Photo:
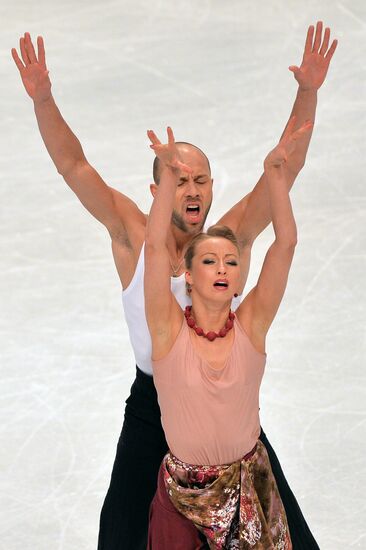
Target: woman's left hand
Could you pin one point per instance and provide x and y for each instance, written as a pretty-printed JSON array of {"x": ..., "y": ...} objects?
[{"x": 287, "y": 145}]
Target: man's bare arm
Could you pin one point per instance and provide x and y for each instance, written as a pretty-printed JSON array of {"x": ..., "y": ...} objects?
[
  {"x": 107, "y": 205},
  {"x": 252, "y": 214}
]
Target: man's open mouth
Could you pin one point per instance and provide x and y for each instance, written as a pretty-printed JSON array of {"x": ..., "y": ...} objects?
[
  {"x": 193, "y": 208},
  {"x": 193, "y": 211}
]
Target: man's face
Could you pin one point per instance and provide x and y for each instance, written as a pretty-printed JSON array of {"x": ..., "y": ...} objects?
[{"x": 194, "y": 192}]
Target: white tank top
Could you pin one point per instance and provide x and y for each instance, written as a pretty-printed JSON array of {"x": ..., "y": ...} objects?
[{"x": 134, "y": 308}]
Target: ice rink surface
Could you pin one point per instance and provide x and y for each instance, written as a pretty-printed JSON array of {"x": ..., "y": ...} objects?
[{"x": 217, "y": 72}]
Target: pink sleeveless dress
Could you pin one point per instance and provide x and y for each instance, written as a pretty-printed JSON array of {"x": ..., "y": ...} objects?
[
  {"x": 217, "y": 474},
  {"x": 210, "y": 416}
]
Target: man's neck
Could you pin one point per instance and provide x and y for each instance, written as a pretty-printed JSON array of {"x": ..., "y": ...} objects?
[{"x": 177, "y": 242}]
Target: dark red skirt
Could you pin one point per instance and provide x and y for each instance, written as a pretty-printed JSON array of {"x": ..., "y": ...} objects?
[{"x": 168, "y": 528}]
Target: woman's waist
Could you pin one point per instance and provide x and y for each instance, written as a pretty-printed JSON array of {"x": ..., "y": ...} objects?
[
  {"x": 199, "y": 476},
  {"x": 212, "y": 444}
]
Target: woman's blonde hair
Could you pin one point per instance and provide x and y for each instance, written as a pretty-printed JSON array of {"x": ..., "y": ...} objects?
[{"x": 213, "y": 231}]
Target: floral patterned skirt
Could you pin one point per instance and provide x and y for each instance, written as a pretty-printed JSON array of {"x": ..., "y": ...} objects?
[{"x": 235, "y": 506}]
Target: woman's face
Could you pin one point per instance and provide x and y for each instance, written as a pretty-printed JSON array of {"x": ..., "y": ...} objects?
[{"x": 215, "y": 271}]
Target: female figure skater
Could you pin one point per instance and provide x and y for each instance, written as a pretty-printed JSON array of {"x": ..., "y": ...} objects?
[{"x": 208, "y": 365}]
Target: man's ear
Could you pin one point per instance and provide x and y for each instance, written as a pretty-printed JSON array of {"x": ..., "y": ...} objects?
[
  {"x": 153, "y": 188},
  {"x": 188, "y": 277}
]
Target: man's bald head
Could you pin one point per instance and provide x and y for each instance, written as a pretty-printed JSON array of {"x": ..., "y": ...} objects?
[{"x": 183, "y": 147}]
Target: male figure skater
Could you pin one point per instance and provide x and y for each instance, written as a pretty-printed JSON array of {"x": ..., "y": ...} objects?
[{"x": 142, "y": 444}]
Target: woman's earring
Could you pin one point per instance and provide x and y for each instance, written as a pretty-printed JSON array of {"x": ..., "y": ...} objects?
[{"x": 236, "y": 295}]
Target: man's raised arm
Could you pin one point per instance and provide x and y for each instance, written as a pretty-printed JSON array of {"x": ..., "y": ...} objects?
[
  {"x": 104, "y": 203},
  {"x": 251, "y": 215}
]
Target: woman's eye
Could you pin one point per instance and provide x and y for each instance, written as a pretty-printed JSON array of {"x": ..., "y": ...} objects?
[
  {"x": 207, "y": 261},
  {"x": 232, "y": 262}
]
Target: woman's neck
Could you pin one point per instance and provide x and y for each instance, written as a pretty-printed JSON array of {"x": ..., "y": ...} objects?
[{"x": 210, "y": 316}]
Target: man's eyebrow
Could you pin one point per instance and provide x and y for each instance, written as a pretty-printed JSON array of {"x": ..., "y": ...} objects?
[{"x": 184, "y": 178}]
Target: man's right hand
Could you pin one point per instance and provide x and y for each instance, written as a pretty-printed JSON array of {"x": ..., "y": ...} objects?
[
  {"x": 33, "y": 71},
  {"x": 119, "y": 214}
]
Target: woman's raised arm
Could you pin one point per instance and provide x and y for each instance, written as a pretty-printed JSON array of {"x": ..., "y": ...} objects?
[
  {"x": 260, "y": 306},
  {"x": 160, "y": 304}
]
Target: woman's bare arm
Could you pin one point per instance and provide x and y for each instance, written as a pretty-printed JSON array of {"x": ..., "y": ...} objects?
[
  {"x": 260, "y": 306},
  {"x": 162, "y": 310}
]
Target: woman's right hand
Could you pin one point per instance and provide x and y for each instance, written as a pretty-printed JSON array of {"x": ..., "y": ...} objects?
[
  {"x": 168, "y": 153},
  {"x": 33, "y": 70}
]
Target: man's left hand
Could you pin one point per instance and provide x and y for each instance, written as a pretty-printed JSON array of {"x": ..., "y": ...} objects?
[{"x": 317, "y": 57}]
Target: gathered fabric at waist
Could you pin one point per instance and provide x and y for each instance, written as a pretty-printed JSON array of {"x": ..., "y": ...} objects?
[{"x": 234, "y": 505}]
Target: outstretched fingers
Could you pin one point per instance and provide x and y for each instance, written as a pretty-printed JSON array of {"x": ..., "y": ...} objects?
[
  {"x": 289, "y": 129},
  {"x": 309, "y": 39},
  {"x": 184, "y": 167},
  {"x": 325, "y": 44},
  {"x": 171, "y": 139},
  {"x": 153, "y": 138},
  {"x": 320, "y": 46},
  {"x": 23, "y": 52},
  {"x": 168, "y": 153},
  {"x": 290, "y": 136},
  {"x": 306, "y": 127},
  {"x": 41, "y": 52},
  {"x": 156, "y": 141},
  {"x": 17, "y": 60},
  {"x": 27, "y": 52},
  {"x": 287, "y": 144},
  {"x": 30, "y": 48},
  {"x": 318, "y": 36},
  {"x": 331, "y": 51}
]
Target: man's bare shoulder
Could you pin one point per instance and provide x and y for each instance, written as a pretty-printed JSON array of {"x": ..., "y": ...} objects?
[
  {"x": 128, "y": 210},
  {"x": 127, "y": 241},
  {"x": 233, "y": 218}
]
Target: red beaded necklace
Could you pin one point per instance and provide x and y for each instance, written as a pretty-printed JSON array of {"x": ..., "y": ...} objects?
[{"x": 211, "y": 335}]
